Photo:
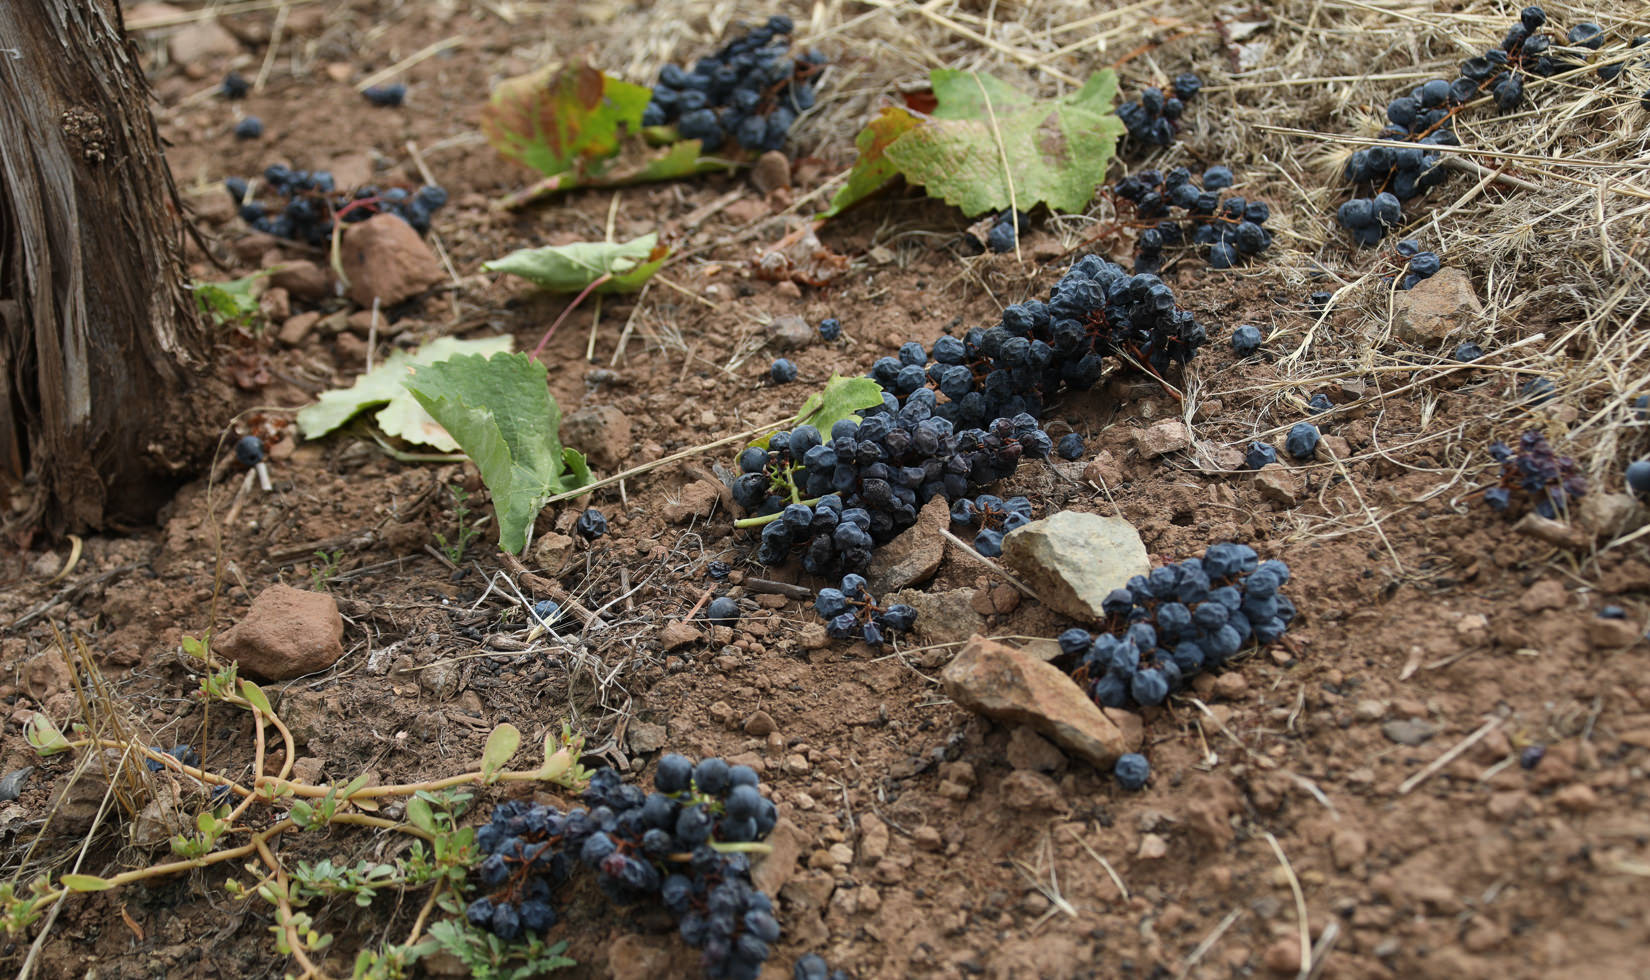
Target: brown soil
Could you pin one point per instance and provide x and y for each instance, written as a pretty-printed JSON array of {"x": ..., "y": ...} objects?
[{"x": 1279, "y": 774}]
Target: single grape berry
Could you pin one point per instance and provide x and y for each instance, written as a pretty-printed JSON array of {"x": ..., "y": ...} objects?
[
  {"x": 724, "y": 611},
  {"x": 386, "y": 95},
  {"x": 1468, "y": 352},
  {"x": 546, "y": 610},
  {"x": 249, "y": 128},
  {"x": 249, "y": 451},
  {"x": 1319, "y": 403},
  {"x": 591, "y": 524},
  {"x": 1132, "y": 770},
  {"x": 1608, "y": 612},
  {"x": 1302, "y": 442},
  {"x": 1246, "y": 340},
  {"x": 1638, "y": 477},
  {"x": 782, "y": 372},
  {"x": 234, "y": 86},
  {"x": 830, "y": 328},
  {"x": 1070, "y": 447},
  {"x": 1001, "y": 237},
  {"x": 1259, "y": 454},
  {"x": 1532, "y": 756}
]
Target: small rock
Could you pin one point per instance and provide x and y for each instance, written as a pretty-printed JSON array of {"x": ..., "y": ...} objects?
[
  {"x": 275, "y": 304},
  {"x": 286, "y": 633},
  {"x": 697, "y": 499},
  {"x": 772, "y": 872},
  {"x": 759, "y": 724},
  {"x": 812, "y": 636},
  {"x": 1011, "y": 686},
  {"x": 384, "y": 259},
  {"x": 638, "y": 957},
  {"x": 201, "y": 41},
  {"x": 787, "y": 333},
  {"x": 1231, "y": 685},
  {"x": 601, "y": 432},
  {"x": 302, "y": 280},
  {"x": 913, "y": 556},
  {"x": 942, "y": 617},
  {"x": 1283, "y": 957},
  {"x": 1278, "y": 484},
  {"x": 677, "y": 634},
  {"x": 928, "y": 839},
  {"x": 1556, "y": 533},
  {"x": 45, "y": 675},
  {"x": 1369, "y": 709},
  {"x": 1348, "y": 848},
  {"x": 1004, "y": 599},
  {"x": 307, "y": 769},
  {"x": 1072, "y": 561},
  {"x": 1152, "y": 848},
  {"x": 551, "y": 550},
  {"x": 1611, "y": 634},
  {"x": 771, "y": 172},
  {"x": 873, "y": 838},
  {"x": 810, "y": 889},
  {"x": 722, "y": 713},
  {"x": 841, "y": 854},
  {"x": 1576, "y": 798},
  {"x": 1545, "y": 594},
  {"x": 1610, "y": 515},
  {"x": 1028, "y": 750},
  {"x": 1024, "y": 789},
  {"x": 1103, "y": 470},
  {"x": 1435, "y": 308},
  {"x": 1167, "y": 436},
  {"x": 296, "y": 328},
  {"x": 1409, "y": 731},
  {"x": 796, "y": 765},
  {"x": 645, "y": 737}
]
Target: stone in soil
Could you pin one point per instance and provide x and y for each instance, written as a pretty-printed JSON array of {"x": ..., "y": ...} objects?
[
  {"x": 759, "y": 724},
  {"x": 1103, "y": 470},
  {"x": 601, "y": 432},
  {"x": 297, "y": 328},
  {"x": 1278, "y": 484},
  {"x": 551, "y": 550},
  {"x": 1545, "y": 594},
  {"x": 287, "y": 633},
  {"x": 771, "y": 873},
  {"x": 1610, "y": 515},
  {"x": 645, "y": 737},
  {"x": 1435, "y": 308},
  {"x": 1167, "y": 436},
  {"x": 1005, "y": 684},
  {"x": 384, "y": 259},
  {"x": 789, "y": 332},
  {"x": 913, "y": 556},
  {"x": 1028, "y": 750},
  {"x": 1611, "y": 634},
  {"x": 1026, "y": 789},
  {"x": 1072, "y": 560},
  {"x": 942, "y": 617},
  {"x": 771, "y": 172},
  {"x": 1409, "y": 731},
  {"x": 303, "y": 280},
  {"x": 200, "y": 42}
]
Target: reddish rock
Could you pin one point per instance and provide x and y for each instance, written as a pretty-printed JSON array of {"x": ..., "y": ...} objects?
[
  {"x": 1009, "y": 685},
  {"x": 1167, "y": 436},
  {"x": 384, "y": 259},
  {"x": 1435, "y": 308},
  {"x": 914, "y": 555},
  {"x": 287, "y": 633},
  {"x": 303, "y": 280}
]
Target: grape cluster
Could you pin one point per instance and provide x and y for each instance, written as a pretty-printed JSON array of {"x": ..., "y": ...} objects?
[
  {"x": 870, "y": 479},
  {"x": 750, "y": 91},
  {"x": 992, "y": 517},
  {"x": 678, "y": 846},
  {"x": 1419, "y": 264},
  {"x": 851, "y": 611},
  {"x": 955, "y": 418},
  {"x": 1233, "y": 228},
  {"x": 1178, "y": 620},
  {"x": 1155, "y": 116},
  {"x": 1423, "y": 116},
  {"x": 1535, "y": 477},
  {"x": 302, "y": 205}
]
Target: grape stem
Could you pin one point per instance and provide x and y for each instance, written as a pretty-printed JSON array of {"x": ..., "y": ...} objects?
[{"x": 770, "y": 518}]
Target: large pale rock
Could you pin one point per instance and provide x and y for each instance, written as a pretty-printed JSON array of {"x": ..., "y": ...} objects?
[
  {"x": 287, "y": 633},
  {"x": 1008, "y": 685},
  {"x": 1167, "y": 436},
  {"x": 384, "y": 258},
  {"x": 942, "y": 617},
  {"x": 1435, "y": 307},
  {"x": 1073, "y": 560},
  {"x": 915, "y": 554}
]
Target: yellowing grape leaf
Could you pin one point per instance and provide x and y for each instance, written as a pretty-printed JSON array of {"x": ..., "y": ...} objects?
[
  {"x": 985, "y": 134},
  {"x": 873, "y": 169},
  {"x": 570, "y": 268},
  {"x": 561, "y": 121}
]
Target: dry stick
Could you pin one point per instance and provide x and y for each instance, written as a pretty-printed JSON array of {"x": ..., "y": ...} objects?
[
  {"x": 1450, "y": 756},
  {"x": 372, "y": 333},
  {"x": 629, "y": 326},
  {"x": 1116, "y": 879},
  {"x": 206, "y": 13},
  {"x": 770, "y": 587},
  {"x": 57, "y": 906},
  {"x": 1320, "y": 952},
  {"x": 968, "y": 550},
  {"x": 1374, "y": 521},
  {"x": 1300, "y": 905},
  {"x": 596, "y": 313},
  {"x": 1002, "y": 154},
  {"x": 666, "y": 461},
  {"x": 274, "y": 43},
  {"x": 1208, "y": 943},
  {"x": 428, "y": 52}
]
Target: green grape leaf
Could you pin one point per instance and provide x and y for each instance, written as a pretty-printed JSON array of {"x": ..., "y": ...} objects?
[
  {"x": 839, "y": 399},
  {"x": 561, "y": 121},
  {"x": 233, "y": 302},
  {"x": 570, "y": 268},
  {"x": 400, "y": 415},
  {"x": 501, "y": 413},
  {"x": 873, "y": 170},
  {"x": 985, "y": 135}
]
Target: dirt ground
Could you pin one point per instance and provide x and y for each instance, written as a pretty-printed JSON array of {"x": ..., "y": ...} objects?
[{"x": 1367, "y": 776}]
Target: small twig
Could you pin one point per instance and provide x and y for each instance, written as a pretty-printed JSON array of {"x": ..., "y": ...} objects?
[
  {"x": 968, "y": 550},
  {"x": 426, "y": 53},
  {"x": 1300, "y": 905},
  {"x": 1450, "y": 756},
  {"x": 770, "y": 587},
  {"x": 1208, "y": 943},
  {"x": 1116, "y": 879},
  {"x": 275, "y": 33},
  {"x": 372, "y": 333}
]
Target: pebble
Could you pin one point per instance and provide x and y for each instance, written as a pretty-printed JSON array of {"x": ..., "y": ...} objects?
[
  {"x": 1073, "y": 561},
  {"x": 1103, "y": 470},
  {"x": 1028, "y": 750},
  {"x": 1435, "y": 307},
  {"x": 789, "y": 332},
  {"x": 1409, "y": 731},
  {"x": 1167, "y": 436},
  {"x": 759, "y": 724},
  {"x": 601, "y": 432},
  {"x": 1231, "y": 685},
  {"x": 1546, "y": 594},
  {"x": 841, "y": 854},
  {"x": 286, "y": 633},
  {"x": 1152, "y": 848},
  {"x": 1576, "y": 798},
  {"x": 722, "y": 713},
  {"x": 928, "y": 839},
  {"x": 873, "y": 838},
  {"x": 645, "y": 737},
  {"x": 915, "y": 554},
  {"x": 796, "y": 765},
  {"x": 1348, "y": 847},
  {"x": 1278, "y": 484},
  {"x": 1370, "y": 709},
  {"x": 1024, "y": 789},
  {"x": 771, "y": 172},
  {"x": 1283, "y": 957}
]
